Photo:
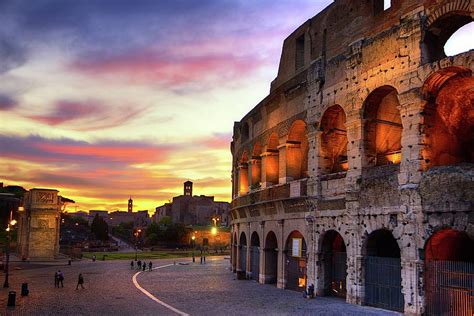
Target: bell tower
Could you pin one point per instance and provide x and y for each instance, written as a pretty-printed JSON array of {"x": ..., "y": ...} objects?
[
  {"x": 188, "y": 188},
  {"x": 130, "y": 205}
]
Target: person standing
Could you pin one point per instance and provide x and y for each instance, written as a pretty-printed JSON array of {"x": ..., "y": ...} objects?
[
  {"x": 150, "y": 265},
  {"x": 131, "y": 264},
  {"x": 93, "y": 258},
  {"x": 60, "y": 278},
  {"x": 144, "y": 265},
  {"x": 139, "y": 264},
  {"x": 56, "y": 279},
  {"x": 80, "y": 281}
]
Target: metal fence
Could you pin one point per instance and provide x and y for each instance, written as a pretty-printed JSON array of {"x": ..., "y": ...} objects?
[
  {"x": 243, "y": 258},
  {"x": 383, "y": 283},
  {"x": 449, "y": 288},
  {"x": 295, "y": 273},
  {"x": 339, "y": 274}
]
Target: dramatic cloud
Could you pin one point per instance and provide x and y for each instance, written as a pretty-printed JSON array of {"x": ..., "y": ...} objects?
[{"x": 7, "y": 103}]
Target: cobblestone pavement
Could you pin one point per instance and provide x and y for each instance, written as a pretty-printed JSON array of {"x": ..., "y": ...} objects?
[{"x": 209, "y": 289}]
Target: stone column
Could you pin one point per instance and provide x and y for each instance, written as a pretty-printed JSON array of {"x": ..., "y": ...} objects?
[
  {"x": 311, "y": 252},
  {"x": 234, "y": 250},
  {"x": 262, "y": 272},
  {"x": 248, "y": 268},
  {"x": 238, "y": 265},
  {"x": 243, "y": 180},
  {"x": 355, "y": 271},
  {"x": 281, "y": 277},
  {"x": 313, "y": 161},
  {"x": 282, "y": 175},
  {"x": 269, "y": 168},
  {"x": 355, "y": 150}
]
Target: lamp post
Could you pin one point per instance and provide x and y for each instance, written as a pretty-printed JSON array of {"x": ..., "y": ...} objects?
[
  {"x": 193, "y": 239},
  {"x": 136, "y": 234},
  {"x": 11, "y": 223}
]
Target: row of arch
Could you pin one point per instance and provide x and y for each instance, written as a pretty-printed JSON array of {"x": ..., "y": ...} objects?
[
  {"x": 448, "y": 128},
  {"x": 381, "y": 269}
]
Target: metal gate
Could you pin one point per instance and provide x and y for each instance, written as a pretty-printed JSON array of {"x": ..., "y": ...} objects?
[
  {"x": 383, "y": 283},
  {"x": 295, "y": 273},
  {"x": 339, "y": 274},
  {"x": 449, "y": 288},
  {"x": 255, "y": 262},
  {"x": 243, "y": 258}
]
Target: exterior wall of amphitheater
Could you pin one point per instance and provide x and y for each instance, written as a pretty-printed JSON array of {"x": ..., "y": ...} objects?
[{"x": 349, "y": 143}]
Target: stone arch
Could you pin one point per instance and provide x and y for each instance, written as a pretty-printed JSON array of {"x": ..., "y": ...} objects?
[
  {"x": 242, "y": 264},
  {"x": 244, "y": 174},
  {"x": 271, "y": 258},
  {"x": 297, "y": 151},
  {"x": 449, "y": 271},
  {"x": 449, "y": 117},
  {"x": 255, "y": 256},
  {"x": 334, "y": 264},
  {"x": 383, "y": 127},
  {"x": 333, "y": 148},
  {"x": 296, "y": 261},
  {"x": 270, "y": 161},
  {"x": 440, "y": 25},
  {"x": 255, "y": 165},
  {"x": 382, "y": 253}
]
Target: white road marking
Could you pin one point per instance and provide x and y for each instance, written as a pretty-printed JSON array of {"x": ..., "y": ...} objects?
[{"x": 137, "y": 285}]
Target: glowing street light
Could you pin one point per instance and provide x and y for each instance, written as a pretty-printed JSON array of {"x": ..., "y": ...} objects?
[
  {"x": 11, "y": 223},
  {"x": 214, "y": 230}
]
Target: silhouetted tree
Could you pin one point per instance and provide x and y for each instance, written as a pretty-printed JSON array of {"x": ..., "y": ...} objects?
[{"x": 100, "y": 228}]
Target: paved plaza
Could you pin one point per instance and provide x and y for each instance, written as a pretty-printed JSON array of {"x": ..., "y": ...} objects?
[{"x": 186, "y": 288}]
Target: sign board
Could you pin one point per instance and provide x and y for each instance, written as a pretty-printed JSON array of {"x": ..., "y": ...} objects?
[{"x": 297, "y": 245}]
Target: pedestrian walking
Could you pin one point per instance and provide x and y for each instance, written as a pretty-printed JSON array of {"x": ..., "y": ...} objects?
[
  {"x": 56, "y": 279},
  {"x": 60, "y": 278},
  {"x": 139, "y": 264},
  {"x": 131, "y": 264},
  {"x": 150, "y": 265},
  {"x": 80, "y": 281},
  {"x": 144, "y": 265},
  {"x": 93, "y": 258}
]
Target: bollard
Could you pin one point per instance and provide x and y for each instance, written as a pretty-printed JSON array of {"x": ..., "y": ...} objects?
[
  {"x": 11, "y": 298},
  {"x": 24, "y": 289}
]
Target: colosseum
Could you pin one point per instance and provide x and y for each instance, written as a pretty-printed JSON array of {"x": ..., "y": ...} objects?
[{"x": 355, "y": 174}]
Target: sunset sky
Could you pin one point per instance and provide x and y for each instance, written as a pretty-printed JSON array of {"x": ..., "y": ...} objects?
[{"x": 105, "y": 99}]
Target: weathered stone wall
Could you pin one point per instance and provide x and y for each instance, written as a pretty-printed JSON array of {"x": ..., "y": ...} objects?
[
  {"x": 354, "y": 54},
  {"x": 39, "y": 224}
]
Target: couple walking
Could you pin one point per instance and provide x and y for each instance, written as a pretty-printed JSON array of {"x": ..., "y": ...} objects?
[{"x": 59, "y": 280}]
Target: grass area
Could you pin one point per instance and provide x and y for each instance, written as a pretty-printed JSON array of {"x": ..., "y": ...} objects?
[{"x": 162, "y": 254}]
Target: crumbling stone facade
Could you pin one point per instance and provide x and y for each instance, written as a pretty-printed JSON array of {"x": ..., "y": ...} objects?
[
  {"x": 39, "y": 224},
  {"x": 360, "y": 161}
]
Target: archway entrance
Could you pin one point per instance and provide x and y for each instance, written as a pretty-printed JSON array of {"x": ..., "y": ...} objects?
[
  {"x": 449, "y": 273},
  {"x": 243, "y": 255},
  {"x": 255, "y": 256},
  {"x": 335, "y": 264},
  {"x": 383, "y": 272},
  {"x": 295, "y": 262},
  {"x": 271, "y": 258}
]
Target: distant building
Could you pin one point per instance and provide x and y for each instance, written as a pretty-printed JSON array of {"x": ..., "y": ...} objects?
[
  {"x": 130, "y": 205},
  {"x": 194, "y": 210}
]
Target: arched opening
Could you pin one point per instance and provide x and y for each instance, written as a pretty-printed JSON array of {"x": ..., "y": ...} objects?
[
  {"x": 439, "y": 32},
  {"x": 255, "y": 256},
  {"x": 461, "y": 41},
  {"x": 334, "y": 268},
  {"x": 383, "y": 127},
  {"x": 297, "y": 151},
  {"x": 449, "y": 117},
  {"x": 449, "y": 273},
  {"x": 383, "y": 272},
  {"x": 270, "y": 164},
  {"x": 244, "y": 174},
  {"x": 271, "y": 258},
  {"x": 333, "y": 141},
  {"x": 295, "y": 269},
  {"x": 242, "y": 256},
  {"x": 256, "y": 166}
]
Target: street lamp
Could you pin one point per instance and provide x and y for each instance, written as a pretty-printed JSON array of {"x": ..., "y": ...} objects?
[
  {"x": 11, "y": 223},
  {"x": 136, "y": 234},
  {"x": 193, "y": 240}
]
